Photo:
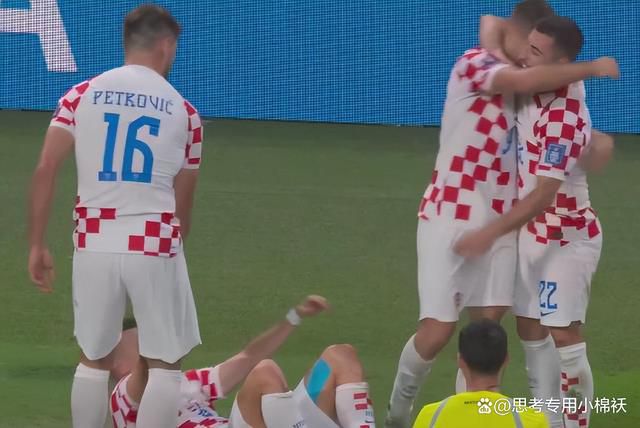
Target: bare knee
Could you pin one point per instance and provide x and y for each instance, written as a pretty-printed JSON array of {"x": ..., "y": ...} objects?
[
  {"x": 530, "y": 329},
  {"x": 267, "y": 378},
  {"x": 494, "y": 313},
  {"x": 432, "y": 336},
  {"x": 101, "y": 363},
  {"x": 567, "y": 336}
]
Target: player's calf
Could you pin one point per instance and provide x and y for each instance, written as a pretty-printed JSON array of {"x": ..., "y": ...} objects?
[
  {"x": 334, "y": 390},
  {"x": 265, "y": 400}
]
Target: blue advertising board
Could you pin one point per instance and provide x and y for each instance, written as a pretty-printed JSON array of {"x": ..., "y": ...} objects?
[{"x": 351, "y": 61}]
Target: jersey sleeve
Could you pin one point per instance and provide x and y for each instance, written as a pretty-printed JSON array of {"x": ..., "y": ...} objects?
[
  {"x": 209, "y": 380},
  {"x": 193, "y": 150},
  {"x": 478, "y": 68},
  {"x": 560, "y": 131},
  {"x": 64, "y": 116}
]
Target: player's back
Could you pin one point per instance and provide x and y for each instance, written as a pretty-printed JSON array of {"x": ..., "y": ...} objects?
[
  {"x": 477, "y": 409},
  {"x": 474, "y": 177},
  {"x": 133, "y": 134}
]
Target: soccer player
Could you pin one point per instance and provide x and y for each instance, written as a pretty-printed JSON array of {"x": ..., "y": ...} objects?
[
  {"x": 333, "y": 393},
  {"x": 561, "y": 239},
  {"x": 474, "y": 182},
  {"x": 482, "y": 357},
  {"x": 137, "y": 144}
]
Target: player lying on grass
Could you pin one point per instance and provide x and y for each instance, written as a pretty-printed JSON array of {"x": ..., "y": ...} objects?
[
  {"x": 482, "y": 357},
  {"x": 332, "y": 394},
  {"x": 559, "y": 247}
]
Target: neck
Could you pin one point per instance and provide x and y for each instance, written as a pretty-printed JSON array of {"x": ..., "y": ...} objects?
[
  {"x": 483, "y": 383},
  {"x": 145, "y": 59}
]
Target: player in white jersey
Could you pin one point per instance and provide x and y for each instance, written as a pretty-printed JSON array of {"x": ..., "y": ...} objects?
[
  {"x": 137, "y": 144},
  {"x": 560, "y": 243},
  {"x": 332, "y": 394},
  {"x": 474, "y": 182}
]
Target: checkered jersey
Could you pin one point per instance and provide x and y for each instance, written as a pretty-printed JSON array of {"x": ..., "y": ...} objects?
[
  {"x": 133, "y": 134},
  {"x": 553, "y": 130},
  {"x": 475, "y": 173},
  {"x": 199, "y": 390}
]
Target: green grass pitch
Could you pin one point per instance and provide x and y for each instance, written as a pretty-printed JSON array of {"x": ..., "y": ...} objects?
[{"x": 284, "y": 210}]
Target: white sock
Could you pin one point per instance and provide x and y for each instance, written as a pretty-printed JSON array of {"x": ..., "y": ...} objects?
[
  {"x": 543, "y": 371},
  {"x": 159, "y": 404},
  {"x": 412, "y": 371},
  {"x": 280, "y": 410},
  {"x": 89, "y": 397},
  {"x": 577, "y": 381},
  {"x": 353, "y": 406},
  {"x": 461, "y": 382}
]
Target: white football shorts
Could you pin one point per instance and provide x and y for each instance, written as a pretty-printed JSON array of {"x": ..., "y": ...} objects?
[
  {"x": 160, "y": 294},
  {"x": 554, "y": 282},
  {"x": 447, "y": 282}
]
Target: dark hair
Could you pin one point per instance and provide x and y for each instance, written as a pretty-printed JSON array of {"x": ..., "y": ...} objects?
[
  {"x": 566, "y": 35},
  {"x": 528, "y": 12},
  {"x": 144, "y": 25},
  {"x": 483, "y": 346}
]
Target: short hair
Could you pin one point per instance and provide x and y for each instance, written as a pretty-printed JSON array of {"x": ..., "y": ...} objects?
[
  {"x": 146, "y": 24},
  {"x": 566, "y": 35},
  {"x": 483, "y": 346},
  {"x": 528, "y": 12}
]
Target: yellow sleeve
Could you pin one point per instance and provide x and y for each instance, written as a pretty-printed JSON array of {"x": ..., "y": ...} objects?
[{"x": 424, "y": 417}]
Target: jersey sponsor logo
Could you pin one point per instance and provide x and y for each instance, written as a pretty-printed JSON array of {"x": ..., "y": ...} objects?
[
  {"x": 42, "y": 18},
  {"x": 555, "y": 154}
]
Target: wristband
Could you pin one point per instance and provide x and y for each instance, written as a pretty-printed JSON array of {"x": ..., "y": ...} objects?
[{"x": 293, "y": 318}]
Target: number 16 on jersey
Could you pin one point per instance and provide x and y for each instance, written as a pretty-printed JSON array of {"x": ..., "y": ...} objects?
[{"x": 132, "y": 144}]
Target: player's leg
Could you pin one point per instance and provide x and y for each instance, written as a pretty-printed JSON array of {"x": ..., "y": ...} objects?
[
  {"x": 542, "y": 361},
  {"x": 440, "y": 303},
  {"x": 334, "y": 392},
  {"x": 490, "y": 286},
  {"x": 99, "y": 303},
  {"x": 264, "y": 400},
  {"x": 564, "y": 301},
  {"x": 164, "y": 310}
]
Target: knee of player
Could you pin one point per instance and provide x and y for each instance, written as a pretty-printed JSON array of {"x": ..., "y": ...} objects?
[
  {"x": 566, "y": 337},
  {"x": 269, "y": 375},
  {"x": 341, "y": 355}
]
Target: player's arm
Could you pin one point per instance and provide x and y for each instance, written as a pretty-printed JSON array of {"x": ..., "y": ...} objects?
[
  {"x": 185, "y": 188},
  {"x": 235, "y": 369},
  {"x": 492, "y": 36},
  {"x": 58, "y": 144},
  {"x": 478, "y": 242},
  {"x": 598, "y": 153},
  {"x": 544, "y": 78}
]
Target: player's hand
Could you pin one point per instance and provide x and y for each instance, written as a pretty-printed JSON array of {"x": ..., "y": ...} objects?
[
  {"x": 41, "y": 268},
  {"x": 606, "y": 67},
  {"x": 474, "y": 244},
  {"x": 311, "y": 306}
]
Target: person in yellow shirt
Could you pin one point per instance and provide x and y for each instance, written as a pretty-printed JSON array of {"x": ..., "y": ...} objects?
[{"x": 482, "y": 357}]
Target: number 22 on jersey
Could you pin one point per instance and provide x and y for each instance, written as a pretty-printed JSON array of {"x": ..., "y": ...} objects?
[{"x": 132, "y": 144}]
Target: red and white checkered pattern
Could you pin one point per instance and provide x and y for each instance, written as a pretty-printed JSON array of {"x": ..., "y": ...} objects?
[
  {"x": 64, "y": 116},
  {"x": 161, "y": 237},
  {"x": 199, "y": 390},
  {"x": 193, "y": 151},
  {"x": 557, "y": 121},
  {"x": 98, "y": 113},
  {"x": 581, "y": 417},
  {"x": 474, "y": 178},
  {"x": 88, "y": 221}
]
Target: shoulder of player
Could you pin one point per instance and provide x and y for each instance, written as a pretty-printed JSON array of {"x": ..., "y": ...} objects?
[{"x": 190, "y": 108}]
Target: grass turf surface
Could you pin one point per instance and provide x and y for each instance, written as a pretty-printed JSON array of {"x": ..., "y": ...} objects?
[{"x": 284, "y": 210}]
